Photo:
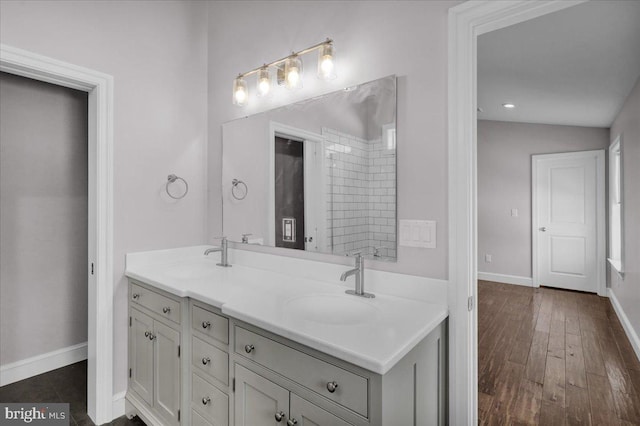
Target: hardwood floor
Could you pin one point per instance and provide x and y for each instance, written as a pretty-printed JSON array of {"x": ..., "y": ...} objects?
[
  {"x": 66, "y": 384},
  {"x": 553, "y": 357}
]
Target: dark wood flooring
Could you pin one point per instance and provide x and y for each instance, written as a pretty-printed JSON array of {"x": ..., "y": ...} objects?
[
  {"x": 67, "y": 384},
  {"x": 553, "y": 357}
]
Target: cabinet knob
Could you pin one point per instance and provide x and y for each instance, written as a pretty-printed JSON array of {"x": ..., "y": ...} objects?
[
  {"x": 206, "y": 360},
  {"x": 206, "y": 400},
  {"x": 249, "y": 348},
  {"x": 146, "y": 334},
  {"x": 152, "y": 336},
  {"x": 279, "y": 416},
  {"x": 135, "y": 296},
  {"x": 332, "y": 386},
  {"x": 206, "y": 324},
  {"x": 292, "y": 422},
  {"x": 166, "y": 309}
]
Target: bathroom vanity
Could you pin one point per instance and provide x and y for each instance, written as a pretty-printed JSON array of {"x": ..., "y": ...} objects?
[{"x": 250, "y": 345}]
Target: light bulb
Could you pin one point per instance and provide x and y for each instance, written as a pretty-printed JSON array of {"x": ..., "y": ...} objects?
[
  {"x": 240, "y": 91},
  {"x": 326, "y": 62},
  {"x": 293, "y": 72},
  {"x": 264, "y": 82}
]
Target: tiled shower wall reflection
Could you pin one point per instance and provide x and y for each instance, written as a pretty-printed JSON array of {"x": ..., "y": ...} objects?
[{"x": 360, "y": 179}]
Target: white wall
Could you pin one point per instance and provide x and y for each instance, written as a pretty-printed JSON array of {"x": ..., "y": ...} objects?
[
  {"x": 504, "y": 183},
  {"x": 156, "y": 52},
  {"x": 627, "y": 291},
  {"x": 373, "y": 39},
  {"x": 43, "y": 218}
]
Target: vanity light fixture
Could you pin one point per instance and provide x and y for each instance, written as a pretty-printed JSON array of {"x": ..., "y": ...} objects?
[
  {"x": 509, "y": 105},
  {"x": 288, "y": 72}
]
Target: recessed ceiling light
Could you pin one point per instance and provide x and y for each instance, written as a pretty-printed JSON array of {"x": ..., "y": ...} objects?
[{"x": 509, "y": 105}]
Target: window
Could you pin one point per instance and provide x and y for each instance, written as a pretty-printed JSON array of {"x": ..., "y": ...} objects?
[{"x": 616, "y": 223}]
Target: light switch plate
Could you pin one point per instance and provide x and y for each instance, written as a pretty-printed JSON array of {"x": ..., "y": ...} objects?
[{"x": 417, "y": 233}]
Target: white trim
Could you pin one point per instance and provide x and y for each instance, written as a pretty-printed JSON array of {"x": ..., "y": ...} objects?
[
  {"x": 618, "y": 263},
  {"x": 506, "y": 279},
  {"x": 100, "y": 140},
  {"x": 23, "y": 369},
  {"x": 626, "y": 324},
  {"x": 118, "y": 405},
  {"x": 601, "y": 236},
  {"x": 467, "y": 21}
]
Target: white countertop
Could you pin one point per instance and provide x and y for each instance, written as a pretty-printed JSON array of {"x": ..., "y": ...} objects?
[{"x": 386, "y": 330}]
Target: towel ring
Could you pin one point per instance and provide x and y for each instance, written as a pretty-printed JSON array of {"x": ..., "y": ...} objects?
[
  {"x": 234, "y": 188},
  {"x": 171, "y": 179}
]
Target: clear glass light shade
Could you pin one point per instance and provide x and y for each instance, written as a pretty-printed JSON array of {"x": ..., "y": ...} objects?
[
  {"x": 326, "y": 62},
  {"x": 293, "y": 73},
  {"x": 264, "y": 82},
  {"x": 240, "y": 92}
]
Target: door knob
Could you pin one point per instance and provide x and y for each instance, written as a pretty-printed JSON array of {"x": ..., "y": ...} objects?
[{"x": 543, "y": 229}]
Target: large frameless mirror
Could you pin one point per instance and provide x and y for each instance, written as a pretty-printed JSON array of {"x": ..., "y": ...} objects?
[{"x": 318, "y": 175}]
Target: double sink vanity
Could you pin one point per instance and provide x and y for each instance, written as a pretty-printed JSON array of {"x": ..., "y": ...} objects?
[{"x": 274, "y": 340}]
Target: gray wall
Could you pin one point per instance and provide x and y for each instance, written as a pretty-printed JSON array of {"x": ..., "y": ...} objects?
[
  {"x": 504, "y": 183},
  {"x": 627, "y": 124},
  {"x": 43, "y": 218},
  {"x": 373, "y": 39},
  {"x": 156, "y": 52}
]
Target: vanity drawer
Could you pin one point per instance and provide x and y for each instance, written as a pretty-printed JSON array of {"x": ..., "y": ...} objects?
[
  {"x": 210, "y": 359},
  {"x": 155, "y": 302},
  {"x": 352, "y": 390},
  {"x": 198, "y": 420},
  {"x": 213, "y": 325},
  {"x": 209, "y": 401}
]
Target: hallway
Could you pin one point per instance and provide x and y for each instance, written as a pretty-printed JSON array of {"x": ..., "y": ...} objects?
[{"x": 553, "y": 357}]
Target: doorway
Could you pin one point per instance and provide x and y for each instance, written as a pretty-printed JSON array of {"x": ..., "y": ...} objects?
[{"x": 99, "y": 86}]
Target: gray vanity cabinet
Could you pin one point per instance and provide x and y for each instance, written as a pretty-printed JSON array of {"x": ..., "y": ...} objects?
[
  {"x": 154, "y": 355},
  {"x": 305, "y": 413}
]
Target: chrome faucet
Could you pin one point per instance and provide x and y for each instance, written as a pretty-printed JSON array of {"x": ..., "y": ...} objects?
[
  {"x": 223, "y": 252},
  {"x": 358, "y": 271}
]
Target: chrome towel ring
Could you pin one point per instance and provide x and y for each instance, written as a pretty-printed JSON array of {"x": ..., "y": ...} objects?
[
  {"x": 171, "y": 179},
  {"x": 239, "y": 189}
]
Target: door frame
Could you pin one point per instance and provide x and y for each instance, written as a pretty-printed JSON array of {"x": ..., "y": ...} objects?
[
  {"x": 601, "y": 284},
  {"x": 99, "y": 87},
  {"x": 284, "y": 130},
  {"x": 466, "y": 22}
]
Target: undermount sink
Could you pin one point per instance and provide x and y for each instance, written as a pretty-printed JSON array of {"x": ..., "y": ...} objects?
[{"x": 336, "y": 309}]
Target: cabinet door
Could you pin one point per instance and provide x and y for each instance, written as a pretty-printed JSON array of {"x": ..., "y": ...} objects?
[
  {"x": 257, "y": 400},
  {"x": 141, "y": 355},
  {"x": 167, "y": 374},
  {"x": 306, "y": 414}
]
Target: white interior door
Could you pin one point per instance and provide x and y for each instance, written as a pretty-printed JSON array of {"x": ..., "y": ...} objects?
[{"x": 566, "y": 215}]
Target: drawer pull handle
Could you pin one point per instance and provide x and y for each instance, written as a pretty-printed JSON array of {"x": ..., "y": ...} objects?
[
  {"x": 206, "y": 400},
  {"x": 166, "y": 309},
  {"x": 135, "y": 296},
  {"x": 206, "y": 360},
  {"x": 332, "y": 386},
  {"x": 206, "y": 324},
  {"x": 279, "y": 416},
  {"x": 249, "y": 348},
  {"x": 292, "y": 422}
]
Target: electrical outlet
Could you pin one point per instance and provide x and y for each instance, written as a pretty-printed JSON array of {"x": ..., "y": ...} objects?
[{"x": 487, "y": 258}]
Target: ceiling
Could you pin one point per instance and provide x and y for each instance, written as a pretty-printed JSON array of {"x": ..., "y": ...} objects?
[{"x": 573, "y": 67}]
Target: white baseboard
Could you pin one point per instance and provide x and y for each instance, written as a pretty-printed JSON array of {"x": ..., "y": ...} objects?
[
  {"x": 506, "y": 279},
  {"x": 118, "y": 409},
  {"x": 23, "y": 369},
  {"x": 626, "y": 324}
]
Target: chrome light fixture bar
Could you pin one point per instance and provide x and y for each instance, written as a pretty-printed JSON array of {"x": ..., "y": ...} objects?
[{"x": 288, "y": 72}]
